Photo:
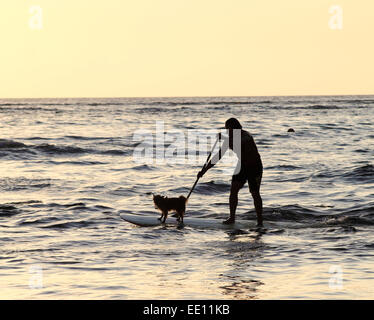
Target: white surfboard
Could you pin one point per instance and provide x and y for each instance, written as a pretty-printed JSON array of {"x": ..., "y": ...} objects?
[{"x": 205, "y": 223}]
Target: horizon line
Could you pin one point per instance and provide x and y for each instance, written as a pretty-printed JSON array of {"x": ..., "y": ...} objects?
[{"x": 223, "y": 96}]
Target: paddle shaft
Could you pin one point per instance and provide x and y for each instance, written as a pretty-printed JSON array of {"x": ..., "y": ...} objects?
[{"x": 206, "y": 162}]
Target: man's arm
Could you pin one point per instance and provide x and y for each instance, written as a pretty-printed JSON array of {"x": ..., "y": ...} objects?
[{"x": 215, "y": 158}]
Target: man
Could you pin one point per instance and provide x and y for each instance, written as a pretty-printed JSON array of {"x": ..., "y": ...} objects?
[{"x": 249, "y": 167}]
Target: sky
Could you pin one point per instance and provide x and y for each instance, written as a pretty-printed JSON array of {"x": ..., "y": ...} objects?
[{"x": 159, "y": 48}]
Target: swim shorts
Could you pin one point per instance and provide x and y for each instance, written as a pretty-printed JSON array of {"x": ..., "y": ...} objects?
[{"x": 252, "y": 175}]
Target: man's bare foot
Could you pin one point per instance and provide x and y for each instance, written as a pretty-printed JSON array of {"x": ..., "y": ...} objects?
[{"x": 229, "y": 221}]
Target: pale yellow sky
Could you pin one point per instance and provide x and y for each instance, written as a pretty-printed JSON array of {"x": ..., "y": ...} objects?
[{"x": 123, "y": 48}]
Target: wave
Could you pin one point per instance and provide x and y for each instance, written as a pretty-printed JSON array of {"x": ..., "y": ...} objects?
[
  {"x": 363, "y": 173},
  {"x": 68, "y": 205},
  {"x": 346, "y": 221},
  {"x": 283, "y": 167},
  {"x": 87, "y": 138},
  {"x": 9, "y": 146},
  {"x": 54, "y": 103},
  {"x": 360, "y": 174},
  {"x": 36, "y": 221},
  {"x": 151, "y": 110},
  {"x": 22, "y": 183},
  {"x": 69, "y": 224},
  {"x": 143, "y": 167},
  {"x": 364, "y": 101},
  {"x": 204, "y": 102},
  {"x": 302, "y": 106},
  {"x": 121, "y": 191},
  {"x": 7, "y": 210},
  {"x": 291, "y": 212},
  {"x": 322, "y": 106},
  {"x": 26, "y": 108},
  {"x": 211, "y": 188},
  {"x": 37, "y": 138},
  {"x": 351, "y": 219},
  {"x": 54, "y": 149},
  {"x": 84, "y": 163},
  {"x": 25, "y": 202},
  {"x": 362, "y": 215},
  {"x": 115, "y": 152}
]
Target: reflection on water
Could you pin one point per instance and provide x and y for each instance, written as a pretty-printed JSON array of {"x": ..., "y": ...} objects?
[
  {"x": 242, "y": 251},
  {"x": 241, "y": 289}
]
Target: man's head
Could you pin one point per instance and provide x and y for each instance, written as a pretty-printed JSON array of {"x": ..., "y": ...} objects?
[{"x": 232, "y": 123}]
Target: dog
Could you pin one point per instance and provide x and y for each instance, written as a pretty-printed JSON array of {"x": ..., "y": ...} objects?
[{"x": 165, "y": 204}]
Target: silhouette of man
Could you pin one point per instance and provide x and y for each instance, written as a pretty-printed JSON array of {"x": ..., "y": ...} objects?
[{"x": 249, "y": 167}]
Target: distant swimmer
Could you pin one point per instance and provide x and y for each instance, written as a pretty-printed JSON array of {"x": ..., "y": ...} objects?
[
  {"x": 291, "y": 130},
  {"x": 249, "y": 167}
]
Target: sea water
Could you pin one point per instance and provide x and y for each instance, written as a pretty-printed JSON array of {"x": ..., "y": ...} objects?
[{"x": 68, "y": 170}]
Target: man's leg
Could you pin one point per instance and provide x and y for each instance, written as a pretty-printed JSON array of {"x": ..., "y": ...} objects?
[
  {"x": 235, "y": 187},
  {"x": 254, "y": 188},
  {"x": 258, "y": 206}
]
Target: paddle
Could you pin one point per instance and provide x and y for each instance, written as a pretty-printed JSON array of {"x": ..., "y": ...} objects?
[{"x": 206, "y": 162}]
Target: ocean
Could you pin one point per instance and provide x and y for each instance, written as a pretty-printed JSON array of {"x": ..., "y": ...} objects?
[{"x": 70, "y": 167}]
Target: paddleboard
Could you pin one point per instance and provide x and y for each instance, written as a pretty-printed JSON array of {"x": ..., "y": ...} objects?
[{"x": 205, "y": 223}]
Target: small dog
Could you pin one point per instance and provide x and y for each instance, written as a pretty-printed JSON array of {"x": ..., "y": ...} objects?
[{"x": 165, "y": 204}]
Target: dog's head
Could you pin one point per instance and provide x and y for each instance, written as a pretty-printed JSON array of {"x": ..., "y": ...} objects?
[{"x": 158, "y": 201}]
